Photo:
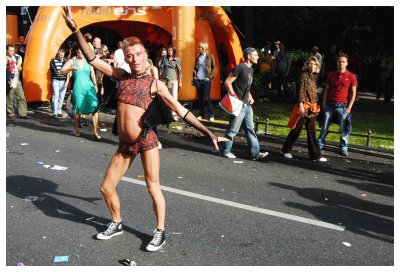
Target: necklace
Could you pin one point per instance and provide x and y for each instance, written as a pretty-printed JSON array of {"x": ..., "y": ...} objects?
[{"x": 139, "y": 75}]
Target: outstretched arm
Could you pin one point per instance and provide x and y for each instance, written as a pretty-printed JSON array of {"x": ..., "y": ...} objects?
[
  {"x": 89, "y": 54},
  {"x": 184, "y": 113}
]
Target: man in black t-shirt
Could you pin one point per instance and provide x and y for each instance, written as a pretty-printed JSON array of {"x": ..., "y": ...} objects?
[{"x": 238, "y": 84}]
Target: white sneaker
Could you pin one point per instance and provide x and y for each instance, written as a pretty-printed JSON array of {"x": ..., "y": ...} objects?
[
  {"x": 229, "y": 156},
  {"x": 175, "y": 119},
  {"x": 159, "y": 145},
  {"x": 211, "y": 119},
  {"x": 287, "y": 155},
  {"x": 199, "y": 117},
  {"x": 322, "y": 159},
  {"x": 260, "y": 156}
]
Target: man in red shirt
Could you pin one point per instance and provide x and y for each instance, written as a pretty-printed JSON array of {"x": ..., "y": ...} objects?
[{"x": 337, "y": 102}]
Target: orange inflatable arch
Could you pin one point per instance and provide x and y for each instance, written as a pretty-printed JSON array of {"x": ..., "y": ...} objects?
[{"x": 186, "y": 27}]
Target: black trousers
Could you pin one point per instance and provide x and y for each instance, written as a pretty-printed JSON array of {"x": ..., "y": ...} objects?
[{"x": 314, "y": 152}]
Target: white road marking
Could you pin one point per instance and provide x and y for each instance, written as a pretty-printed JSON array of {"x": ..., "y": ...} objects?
[{"x": 242, "y": 206}]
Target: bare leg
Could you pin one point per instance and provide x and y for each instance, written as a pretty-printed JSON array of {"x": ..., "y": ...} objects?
[
  {"x": 151, "y": 166},
  {"x": 118, "y": 166},
  {"x": 76, "y": 124},
  {"x": 95, "y": 120}
]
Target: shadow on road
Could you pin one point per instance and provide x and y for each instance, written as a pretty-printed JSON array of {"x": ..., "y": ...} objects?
[
  {"x": 22, "y": 186},
  {"x": 357, "y": 215}
]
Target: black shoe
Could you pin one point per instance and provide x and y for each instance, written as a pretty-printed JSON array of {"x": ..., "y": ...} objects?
[
  {"x": 112, "y": 230},
  {"x": 84, "y": 122},
  {"x": 157, "y": 242}
]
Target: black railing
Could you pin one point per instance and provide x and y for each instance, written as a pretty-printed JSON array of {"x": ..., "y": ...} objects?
[{"x": 369, "y": 135}]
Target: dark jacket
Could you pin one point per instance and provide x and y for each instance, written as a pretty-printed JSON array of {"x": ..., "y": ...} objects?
[{"x": 210, "y": 66}]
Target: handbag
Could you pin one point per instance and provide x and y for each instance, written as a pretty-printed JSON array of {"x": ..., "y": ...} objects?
[
  {"x": 231, "y": 104},
  {"x": 156, "y": 114},
  {"x": 69, "y": 105}
]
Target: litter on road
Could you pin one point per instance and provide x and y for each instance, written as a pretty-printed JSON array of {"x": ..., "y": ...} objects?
[
  {"x": 237, "y": 161},
  {"x": 346, "y": 244},
  {"x": 59, "y": 168},
  {"x": 103, "y": 129},
  {"x": 40, "y": 162},
  {"x": 20, "y": 264},
  {"x": 128, "y": 262},
  {"x": 34, "y": 198},
  {"x": 46, "y": 166},
  {"x": 59, "y": 259},
  {"x": 24, "y": 144}
]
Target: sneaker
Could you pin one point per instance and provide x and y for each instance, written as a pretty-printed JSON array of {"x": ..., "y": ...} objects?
[
  {"x": 344, "y": 152},
  {"x": 229, "y": 156},
  {"x": 260, "y": 156},
  {"x": 157, "y": 242},
  {"x": 211, "y": 119},
  {"x": 112, "y": 230},
  {"x": 287, "y": 155},
  {"x": 322, "y": 159},
  {"x": 199, "y": 117},
  {"x": 159, "y": 145},
  {"x": 175, "y": 119}
]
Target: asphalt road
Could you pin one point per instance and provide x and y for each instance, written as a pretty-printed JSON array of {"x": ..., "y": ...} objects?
[{"x": 220, "y": 212}]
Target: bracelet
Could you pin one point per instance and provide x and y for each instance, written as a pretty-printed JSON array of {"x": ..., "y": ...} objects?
[
  {"x": 89, "y": 61},
  {"x": 184, "y": 117},
  {"x": 76, "y": 30}
]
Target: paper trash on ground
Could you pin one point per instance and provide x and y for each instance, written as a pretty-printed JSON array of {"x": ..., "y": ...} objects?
[
  {"x": 60, "y": 168},
  {"x": 34, "y": 198},
  {"x": 59, "y": 259}
]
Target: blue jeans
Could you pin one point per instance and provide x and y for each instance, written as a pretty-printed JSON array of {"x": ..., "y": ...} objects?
[
  {"x": 203, "y": 88},
  {"x": 330, "y": 111},
  {"x": 58, "y": 95},
  {"x": 235, "y": 122}
]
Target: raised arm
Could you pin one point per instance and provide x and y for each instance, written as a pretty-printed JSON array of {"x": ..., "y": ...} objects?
[{"x": 89, "y": 54}]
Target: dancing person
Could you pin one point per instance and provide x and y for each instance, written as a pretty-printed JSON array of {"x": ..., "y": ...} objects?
[
  {"x": 84, "y": 90},
  {"x": 135, "y": 93}
]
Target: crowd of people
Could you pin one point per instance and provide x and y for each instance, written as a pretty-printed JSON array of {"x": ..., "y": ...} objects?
[{"x": 129, "y": 80}]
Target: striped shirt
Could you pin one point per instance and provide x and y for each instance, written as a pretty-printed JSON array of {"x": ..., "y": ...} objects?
[{"x": 55, "y": 67}]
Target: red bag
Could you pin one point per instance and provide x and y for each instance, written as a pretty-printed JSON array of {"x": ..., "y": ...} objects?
[{"x": 231, "y": 104}]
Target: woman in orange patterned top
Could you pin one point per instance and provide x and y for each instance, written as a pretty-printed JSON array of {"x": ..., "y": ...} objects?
[{"x": 305, "y": 112}]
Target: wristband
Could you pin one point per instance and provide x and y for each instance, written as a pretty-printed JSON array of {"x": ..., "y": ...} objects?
[
  {"x": 89, "y": 61},
  {"x": 184, "y": 117}
]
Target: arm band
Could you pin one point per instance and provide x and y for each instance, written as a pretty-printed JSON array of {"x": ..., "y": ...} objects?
[
  {"x": 184, "y": 117},
  {"x": 89, "y": 61}
]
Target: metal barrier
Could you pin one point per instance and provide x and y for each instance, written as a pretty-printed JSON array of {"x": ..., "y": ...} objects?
[{"x": 368, "y": 136}]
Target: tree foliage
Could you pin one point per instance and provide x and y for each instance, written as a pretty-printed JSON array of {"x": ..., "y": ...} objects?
[{"x": 366, "y": 29}]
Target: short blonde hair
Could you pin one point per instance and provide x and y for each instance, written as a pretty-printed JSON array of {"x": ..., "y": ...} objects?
[
  {"x": 312, "y": 58},
  {"x": 204, "y": 45}
]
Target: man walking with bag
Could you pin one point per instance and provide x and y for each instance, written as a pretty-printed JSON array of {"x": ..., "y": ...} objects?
[{"x": 238, "y": 84}]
